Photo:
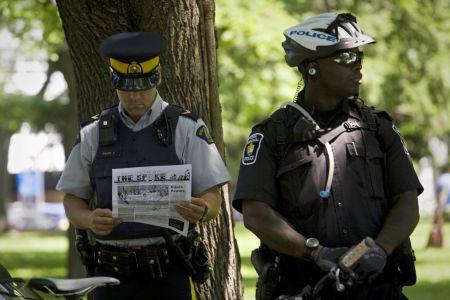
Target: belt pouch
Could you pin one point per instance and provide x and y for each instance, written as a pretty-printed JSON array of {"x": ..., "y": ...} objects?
[
  {"x": 123, "y": 263},
  {"x": 153, "y": 261}
]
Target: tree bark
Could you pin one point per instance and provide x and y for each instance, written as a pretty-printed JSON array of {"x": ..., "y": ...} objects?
[
  {"x": 189, "y": 79},
  {"x": 5, "y": 188}
]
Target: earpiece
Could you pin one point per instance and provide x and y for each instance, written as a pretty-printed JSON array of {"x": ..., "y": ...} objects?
[{"x": 312, "y": 71}]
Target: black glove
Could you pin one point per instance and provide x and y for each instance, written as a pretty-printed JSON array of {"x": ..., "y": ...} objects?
[
  {"x": 371, "y": 264},
  {"x": 329, "y": 257}
]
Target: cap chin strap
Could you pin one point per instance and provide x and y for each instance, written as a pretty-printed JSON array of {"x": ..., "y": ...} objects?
[
  {"x": 129, "y": 83},
  {"x": 324, "y": 194}
]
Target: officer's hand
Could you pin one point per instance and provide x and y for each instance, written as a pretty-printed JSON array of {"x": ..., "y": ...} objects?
[
  {"x": 193, "y": 210},
  {"x": 370, "y": 264},
  {"x": 329, "y": 257},
  {"x": 101, "y": 221}
]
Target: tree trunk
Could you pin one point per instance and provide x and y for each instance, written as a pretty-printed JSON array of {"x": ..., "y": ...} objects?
[
  {"x": 70, "y": 131},
  {"x": 5, "y": 187},
  {"x": 189, "y": 79}
]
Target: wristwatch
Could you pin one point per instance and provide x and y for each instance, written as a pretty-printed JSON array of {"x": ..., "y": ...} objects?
[{"x": 311, "y": 245}]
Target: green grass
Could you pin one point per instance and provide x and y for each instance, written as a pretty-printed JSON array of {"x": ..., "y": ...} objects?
[
  {"x": 43, "y": 254},
  {"x": 34, "y": 254},
  {"x": 432, "y": 266},
  {"x": 247, "y": 241}
]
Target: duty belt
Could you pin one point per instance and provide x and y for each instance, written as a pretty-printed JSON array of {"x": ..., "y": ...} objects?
[{"x": 127, "y": 261}]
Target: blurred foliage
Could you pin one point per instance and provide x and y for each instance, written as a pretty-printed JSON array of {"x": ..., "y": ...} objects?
[
  {"x": 253, "y": 77},
  {"x": 16, "y": 109},
  {"x": 35, "y": 22},
  {"x": 404, "y": 72}
]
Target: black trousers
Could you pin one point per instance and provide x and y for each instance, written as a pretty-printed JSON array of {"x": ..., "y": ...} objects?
[{"x": 174, "y": 285}]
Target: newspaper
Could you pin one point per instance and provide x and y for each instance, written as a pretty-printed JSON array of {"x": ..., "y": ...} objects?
[{"x": 147, "y": 195}]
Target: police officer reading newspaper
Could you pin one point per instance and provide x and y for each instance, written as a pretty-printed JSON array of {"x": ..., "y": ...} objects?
[
  {"x": 142, "y": 130},
  {"x": 324, "y": 172}
]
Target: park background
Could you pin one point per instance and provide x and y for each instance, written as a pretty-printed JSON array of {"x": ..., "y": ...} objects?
[{"x": 404, "y": 73}]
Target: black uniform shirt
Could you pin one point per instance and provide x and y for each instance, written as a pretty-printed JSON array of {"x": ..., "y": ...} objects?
[{"x": 335, "y": 222}]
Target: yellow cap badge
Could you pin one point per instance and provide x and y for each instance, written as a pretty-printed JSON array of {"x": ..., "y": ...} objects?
[{"x": 134, "y": 68}]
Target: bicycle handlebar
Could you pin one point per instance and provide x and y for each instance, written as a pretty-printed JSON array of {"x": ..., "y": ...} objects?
[{"x": 355, "y": 253}]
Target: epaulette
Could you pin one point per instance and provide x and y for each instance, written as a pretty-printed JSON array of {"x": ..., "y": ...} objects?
[
  {"x": 368, "y": 113},
  {"x": 91, "y": 120},
  {"x": 262, "y": 124},
  {"x": 189, "y": 114},
  {"x": 383, "y": 114},
  {"x": 284, "y": 115},
  {"x": 97, "y": 116},
  {"x": 277, "y": 126}
]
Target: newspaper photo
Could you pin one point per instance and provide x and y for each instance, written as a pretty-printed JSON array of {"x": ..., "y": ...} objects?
[{"x": 148, "y": 194}]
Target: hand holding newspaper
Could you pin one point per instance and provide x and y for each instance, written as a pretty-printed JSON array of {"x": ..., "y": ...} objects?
[{"x": 148, "y": 195}]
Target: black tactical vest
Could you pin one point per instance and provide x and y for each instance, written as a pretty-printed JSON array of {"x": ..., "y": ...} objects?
[
  {"x": 357, "y": 204},
  {"x": 120, "y": 147}
]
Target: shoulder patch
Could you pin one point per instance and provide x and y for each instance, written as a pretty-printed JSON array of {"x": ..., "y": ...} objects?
[
  {"x": 251, "y": 149},
  {"x": 203, "y": 133}
]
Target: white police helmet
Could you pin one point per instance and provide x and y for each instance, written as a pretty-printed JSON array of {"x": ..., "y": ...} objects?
[{"x": 322, "y": 35}]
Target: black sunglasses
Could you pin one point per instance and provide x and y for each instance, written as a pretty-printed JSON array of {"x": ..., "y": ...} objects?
[{"x": 348, "y": 57}]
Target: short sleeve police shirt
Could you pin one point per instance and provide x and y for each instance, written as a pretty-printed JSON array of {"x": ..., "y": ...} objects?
[
  {"x": 400, "y": 173},
  {"x": 258, "y": 171},
  {"x": 257, "y": 174},
  {"x": 192, "y": 144}
]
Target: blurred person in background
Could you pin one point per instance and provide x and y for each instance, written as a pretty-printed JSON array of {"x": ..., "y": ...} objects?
[{"x": 436, "y": 238}]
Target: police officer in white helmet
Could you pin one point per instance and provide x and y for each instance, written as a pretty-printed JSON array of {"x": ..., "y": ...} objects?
[{"x": 324, "y": 172}]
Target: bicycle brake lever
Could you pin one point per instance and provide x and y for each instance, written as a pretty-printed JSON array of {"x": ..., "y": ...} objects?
[{"x": 339, "y": 286}]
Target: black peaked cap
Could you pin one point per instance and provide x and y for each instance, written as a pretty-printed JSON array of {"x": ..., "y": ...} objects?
[{"x": 133, "y": 46}]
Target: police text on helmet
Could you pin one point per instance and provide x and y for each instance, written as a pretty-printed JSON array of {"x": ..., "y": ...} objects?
[{"x": 322, "y": 36}]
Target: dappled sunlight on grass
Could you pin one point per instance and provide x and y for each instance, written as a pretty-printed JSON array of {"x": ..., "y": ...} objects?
[
  {"x": 432, "y": 265},
  {"x": 36, "y": 241},
  {"x": 247, "y": 241},
  {"x": 34, "y": 254}
]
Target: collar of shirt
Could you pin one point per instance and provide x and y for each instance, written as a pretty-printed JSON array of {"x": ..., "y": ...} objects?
[
  {"x": 148, "y": 118},
  {"x": 334, "y": 117}
]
